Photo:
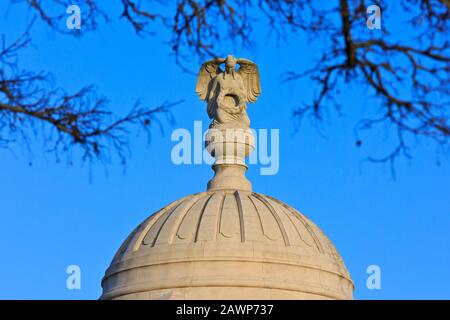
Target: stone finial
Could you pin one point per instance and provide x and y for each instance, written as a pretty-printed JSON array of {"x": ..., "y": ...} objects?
[
  {"x": 229, "y": 139},
  {"x": 226, "y": 92}
]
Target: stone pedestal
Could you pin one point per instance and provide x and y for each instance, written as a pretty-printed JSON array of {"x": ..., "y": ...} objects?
[{"x": 230, "y": 147}]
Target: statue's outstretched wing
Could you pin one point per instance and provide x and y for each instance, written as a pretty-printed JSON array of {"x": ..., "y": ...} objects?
[
  {"x": 249, "y": 73},
  {"x": 208, "y": 71}
]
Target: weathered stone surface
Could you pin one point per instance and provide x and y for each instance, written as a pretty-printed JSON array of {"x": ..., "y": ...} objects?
[{"x": 227, "y": 244}]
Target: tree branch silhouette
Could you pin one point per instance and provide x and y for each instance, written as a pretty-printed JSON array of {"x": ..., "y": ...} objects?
[
  {"x": 81, "y": 120},
  {"x": 408, "y": 77}
]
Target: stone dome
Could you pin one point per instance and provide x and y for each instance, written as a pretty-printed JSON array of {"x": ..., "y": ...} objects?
[{"x": 227, "y": 244}]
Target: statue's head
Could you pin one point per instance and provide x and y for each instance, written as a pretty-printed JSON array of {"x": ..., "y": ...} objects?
[{"x": 230, "y": 63}]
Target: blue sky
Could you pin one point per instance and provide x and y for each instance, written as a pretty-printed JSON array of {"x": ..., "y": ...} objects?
[{"x": 54, "y": 215}]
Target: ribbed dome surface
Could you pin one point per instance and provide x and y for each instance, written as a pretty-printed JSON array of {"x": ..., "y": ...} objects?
[
  {"x": 232, "y": 216},
  {"x": 197, "y": 237}
]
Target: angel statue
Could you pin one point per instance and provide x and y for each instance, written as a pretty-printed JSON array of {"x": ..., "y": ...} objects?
[{"x": 226, "y": 92}]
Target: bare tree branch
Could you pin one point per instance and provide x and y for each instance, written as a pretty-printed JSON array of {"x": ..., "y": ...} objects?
[
  {"x": 409, "y": 77},
  {"x": 29, "y": 104}
]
